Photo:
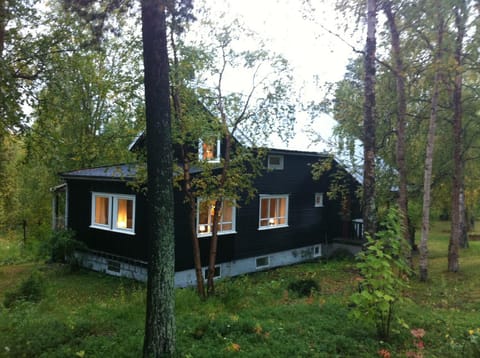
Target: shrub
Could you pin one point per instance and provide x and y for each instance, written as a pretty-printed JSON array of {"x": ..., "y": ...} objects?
[
  {"x": 341, "y": 254},
  {"x": 383, "y": 268},
  {"x": 61, "y": 246},
  {"x": 31, "y": 289},
  {"x": 304, "y": 287}
]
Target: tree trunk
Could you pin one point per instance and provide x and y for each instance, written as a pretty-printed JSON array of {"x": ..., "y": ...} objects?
[
  {"x": 427, "y": 176},
  {"x": 464, "y": 219},
  {"x": 197, "y": 261},
  {"x": 399, "y": 72},
  {"x": 187, "y": 178},
  {"x": 160, "y": 316},
  {"x": 453, "y": 247},
  {"x": 369, "y": 124},
  {"x": 217, "y": 210}
]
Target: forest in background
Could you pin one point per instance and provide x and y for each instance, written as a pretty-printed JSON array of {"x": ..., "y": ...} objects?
[{"x": 72, "y": 97}]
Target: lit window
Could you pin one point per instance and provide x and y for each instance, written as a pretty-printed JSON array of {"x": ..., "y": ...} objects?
[
  {"x": 113, "y": 212},
  {"x": 275, "y": 162},
  {"x": 101, "y": 210},
  {"x": 205, "y": 215},
  {"x": 123, "y": 213},
  {"x": 209, "y": 150},
  {"x": 318, "y": 200},
  {"x": 273, "y": 211}
]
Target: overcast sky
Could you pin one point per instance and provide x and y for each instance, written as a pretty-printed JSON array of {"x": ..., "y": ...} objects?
[{"x": 315, "y": 55}]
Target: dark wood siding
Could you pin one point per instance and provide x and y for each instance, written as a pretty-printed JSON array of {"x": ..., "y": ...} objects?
[
  {"x": 79, "y": 219},
  {"x": 135, "y": 246},
  {"x": 307, "y": 224}
]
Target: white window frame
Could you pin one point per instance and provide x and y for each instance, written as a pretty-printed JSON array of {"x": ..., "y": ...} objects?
[
  {"x": 278, "y": 166},
  {"x": 208, "y": 230},
  {"x": 277, "y": 215},
  {"x": 200, "y": 152},
  {"x": 216, "y": 276},
  {"x": 113, "y": 212},
  {"x": 109, "y": 216},
  {"x": 319, "y": 203}
]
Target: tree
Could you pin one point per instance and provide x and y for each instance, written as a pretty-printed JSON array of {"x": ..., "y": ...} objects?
[
  {"x": 85, "y": 114},
  {"x": 160, "y": 318},
  {"x": 247, "y": 116},
  {"x": 399, "y": 73},
  {"x": 427, "y": 180},
  {"x": 206, "y": 108},
  {"x": 458, "y": 202},
  {"x": 369, "y": 126},
  {"x": 186, "y": 118}
]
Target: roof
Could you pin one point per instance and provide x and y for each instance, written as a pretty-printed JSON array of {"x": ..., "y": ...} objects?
[
  {"x": 119, "y": 172},
  {"x": 298, "y": 152},
  {"x": 111, "y": 172}
]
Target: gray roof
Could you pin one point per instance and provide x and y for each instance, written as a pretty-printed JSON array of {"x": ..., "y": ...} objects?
[
  {"x": 111, "y": 172},
  {"x": 119, "y": 172}
]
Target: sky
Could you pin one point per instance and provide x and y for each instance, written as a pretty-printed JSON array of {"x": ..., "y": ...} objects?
[{"x": 315, "y": 55}]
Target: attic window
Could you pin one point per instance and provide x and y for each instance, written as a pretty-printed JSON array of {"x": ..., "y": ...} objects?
[
  {"x": 209, "y": 150},
  {"x": 114, "y": 212},
  {"x": 275, "y": 162}
]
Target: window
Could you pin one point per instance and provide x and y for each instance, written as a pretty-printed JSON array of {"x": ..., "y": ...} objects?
[
  {"x": 205, "y": 214},
  {"x": 113, "y": 212},
  {"x": 209, "y": 150},
  {"x": 275, "y": 162},
  {"x": 318, "y": 200},
  {"x": 262, "y": 262},
  {"x": 273, "y": 211},
  {"x": 217, "y": 273}
]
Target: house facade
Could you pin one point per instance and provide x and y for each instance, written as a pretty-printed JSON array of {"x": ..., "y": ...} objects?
[{"x": 290, "y": 220}]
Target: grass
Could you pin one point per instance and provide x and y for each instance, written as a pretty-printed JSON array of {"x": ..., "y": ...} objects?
[{"x": 87, "y": 314}]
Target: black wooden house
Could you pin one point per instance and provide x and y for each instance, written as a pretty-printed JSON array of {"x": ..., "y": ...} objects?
[{"x": 291, "y": 219}]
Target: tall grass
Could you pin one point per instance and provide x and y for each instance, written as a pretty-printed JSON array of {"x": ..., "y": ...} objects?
[{"x": 86, "y": 314}]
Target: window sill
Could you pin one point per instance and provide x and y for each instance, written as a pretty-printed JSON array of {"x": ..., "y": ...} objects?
[
  {"x": 131, "y": 233},
  {"x": 219, "y": 234},
  {"x": 261, "y": 228}
]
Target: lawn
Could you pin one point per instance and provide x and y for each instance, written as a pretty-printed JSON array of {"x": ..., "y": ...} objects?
[{"x": 86, "y": 314}]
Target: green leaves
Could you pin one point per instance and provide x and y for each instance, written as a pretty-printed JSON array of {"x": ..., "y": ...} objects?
[{"x": 384, "y": 270}]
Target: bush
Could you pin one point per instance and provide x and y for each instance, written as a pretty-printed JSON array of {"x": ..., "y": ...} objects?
[
  {"x": 384, "y": 269},
  {"x": 304, "y": 287},
  {"x": 61, "y": 246},
  {"x": 31, "y": 289},
  {"x": 341, "y": 254}
]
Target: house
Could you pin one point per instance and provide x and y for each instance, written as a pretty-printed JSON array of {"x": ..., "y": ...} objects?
[{"x": 291, "y": 219}]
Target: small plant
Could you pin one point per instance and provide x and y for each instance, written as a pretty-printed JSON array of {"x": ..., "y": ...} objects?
[
  {"x": 31, "y": 289},
  {"x": 61, "y": 246},
  {"x": 471, "y": 347},
  {"x": 304, "y": 287},
  {"x": 383, "y": 269}
]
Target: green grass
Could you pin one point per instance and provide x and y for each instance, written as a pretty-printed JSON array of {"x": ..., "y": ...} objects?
[{"x": 87, "y": 314}]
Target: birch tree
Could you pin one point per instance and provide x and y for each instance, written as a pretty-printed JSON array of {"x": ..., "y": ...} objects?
[
  {"x": 458, "y": 202},
  {"x": 427, "y": 179},
  {"x": 369, "y": 123},
  {"x": 399, "y": 72}
]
